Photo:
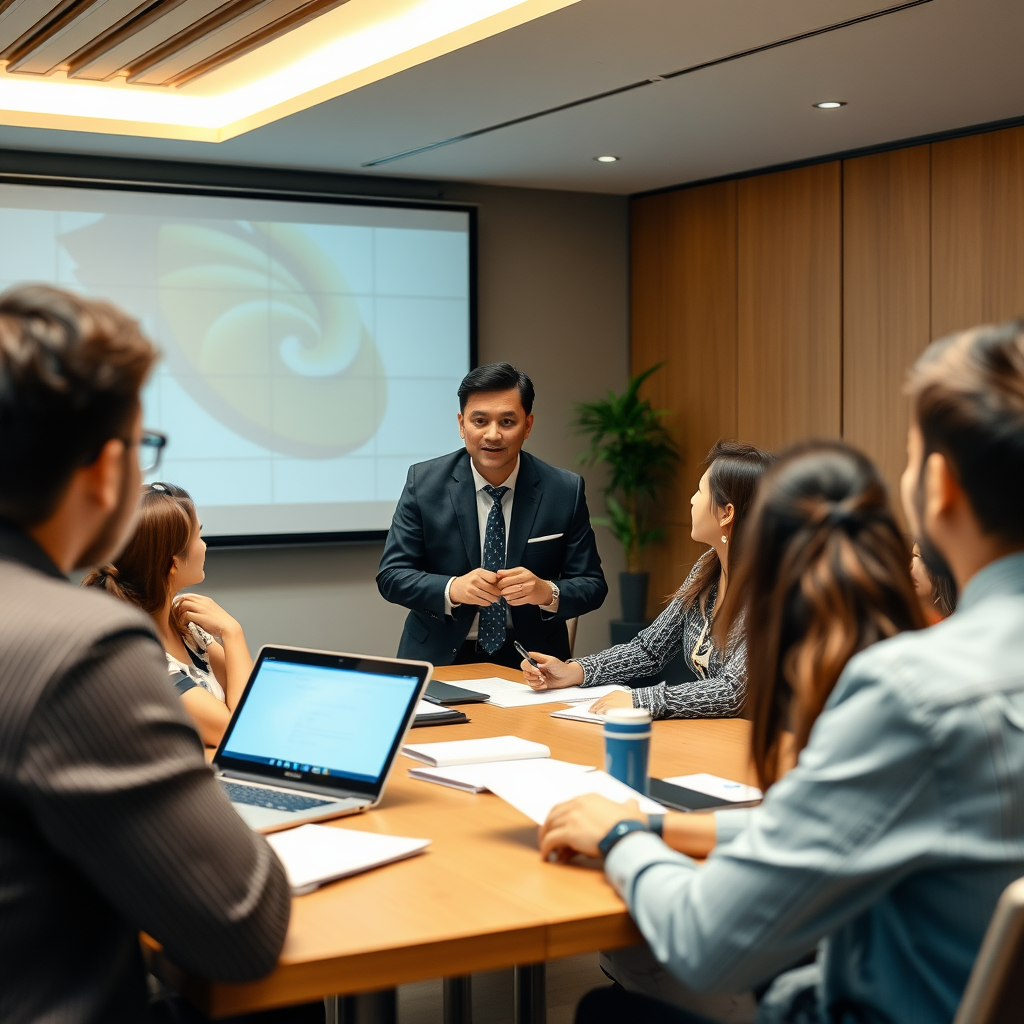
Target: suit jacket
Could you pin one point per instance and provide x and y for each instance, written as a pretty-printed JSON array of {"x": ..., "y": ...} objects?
[
  {"x": 435, "y": 535},
  {"x": 111, "y": 822}
]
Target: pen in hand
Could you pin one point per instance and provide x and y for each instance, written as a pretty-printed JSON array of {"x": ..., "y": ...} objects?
[{"x": 526, "y": 655}]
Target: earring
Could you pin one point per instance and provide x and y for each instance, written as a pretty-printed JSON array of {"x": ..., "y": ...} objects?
[{"x": 725, "y": 540}]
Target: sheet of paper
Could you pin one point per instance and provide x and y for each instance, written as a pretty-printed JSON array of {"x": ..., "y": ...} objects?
[
  {"x": 491, "y": 748},
  {"x": 536, "y": 792},
  {"x": 716, "y": 786},
  {"x": 315, "y": 854},
  {"x": 426, "y": 708},
  {"x": 580, "y": 713},
  {"x": 506, "y": 694},
  {"x": 473, "y": 778}
]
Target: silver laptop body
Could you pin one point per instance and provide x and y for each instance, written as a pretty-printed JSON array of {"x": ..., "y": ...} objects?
[{"x": 315, "y": 734}]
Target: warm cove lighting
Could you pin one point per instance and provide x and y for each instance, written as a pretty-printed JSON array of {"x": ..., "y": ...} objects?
[
  {"x": 607, "y": 159},
  {"x": 358, "y": 43},
  {"x": 830, "y": 104}
]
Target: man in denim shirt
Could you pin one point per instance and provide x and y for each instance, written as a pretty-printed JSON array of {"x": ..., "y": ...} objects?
[{"x": 903, "y": 821}]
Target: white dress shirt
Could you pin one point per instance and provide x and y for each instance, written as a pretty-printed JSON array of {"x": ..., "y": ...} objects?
[{"x": 483, "y": 509}]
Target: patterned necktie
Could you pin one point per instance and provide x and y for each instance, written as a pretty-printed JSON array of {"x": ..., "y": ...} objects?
[{"x": 492, "y": 618}]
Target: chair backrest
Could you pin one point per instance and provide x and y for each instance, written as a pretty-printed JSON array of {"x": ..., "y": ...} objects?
[
  {"x": 570, "y": 625},
  {"x": 995, "y": 989}
]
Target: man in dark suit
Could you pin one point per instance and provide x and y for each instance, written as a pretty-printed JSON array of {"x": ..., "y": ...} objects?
[{"x": 489, "y": 544}]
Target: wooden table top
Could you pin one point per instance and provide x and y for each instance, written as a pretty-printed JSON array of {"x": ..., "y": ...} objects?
[{"x": 479, "y": 898}]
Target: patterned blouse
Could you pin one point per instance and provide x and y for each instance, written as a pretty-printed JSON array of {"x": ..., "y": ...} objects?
[
  {"x": 198, "y": 671},
  {"x": 721, "y": 686}
]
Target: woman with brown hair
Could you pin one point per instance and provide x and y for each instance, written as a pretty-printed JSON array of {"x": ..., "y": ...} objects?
[
  {"x": 207, "y": 656},
  {"x": 825, "y": 574},
  {"x": 691, "y": 623}
]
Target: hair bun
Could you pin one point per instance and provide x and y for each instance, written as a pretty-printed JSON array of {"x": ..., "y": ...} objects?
[
  {"x": 109, "y": 572},
  {"x": 844, "y": 518}
]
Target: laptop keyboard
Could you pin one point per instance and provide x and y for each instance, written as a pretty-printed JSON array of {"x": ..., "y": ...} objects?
[{"x": 259, "y": 796}]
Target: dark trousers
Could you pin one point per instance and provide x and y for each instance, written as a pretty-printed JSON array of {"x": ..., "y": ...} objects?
[
  {"x": 171, "y": 1009},
  {"x": 471, "y": 652},
  {"x": 614, "y": 1005}
]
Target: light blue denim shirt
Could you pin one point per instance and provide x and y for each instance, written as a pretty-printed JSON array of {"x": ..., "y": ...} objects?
[{"x": 891, "y": 839}]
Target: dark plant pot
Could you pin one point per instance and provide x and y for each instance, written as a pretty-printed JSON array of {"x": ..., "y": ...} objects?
[{"x": 633, "y": 592}]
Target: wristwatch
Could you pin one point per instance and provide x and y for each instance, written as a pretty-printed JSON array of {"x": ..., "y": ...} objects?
[
  {"x": 656, "y": 824},
  {"x": 555, "y": 592},
  {"x": 617, "y": 832}
]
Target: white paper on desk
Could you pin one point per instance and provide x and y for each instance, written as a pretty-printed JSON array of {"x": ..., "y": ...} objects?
[
  {"x": 580, "y": 713},
  {"x": 504, "y": 693},
  {"x": 535, "y": 793},
  {"x": 716, "y": 786},
  {"x": 490, "y": 748},
  {"x": 315, "y": 854},
  {"x": 425, "y": 708},
  {"x": 473, "y": 778}
]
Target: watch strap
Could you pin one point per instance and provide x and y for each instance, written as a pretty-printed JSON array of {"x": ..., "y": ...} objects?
[
  {"x": 617, "y": 832},
  {"x": 656, "y": 824}
]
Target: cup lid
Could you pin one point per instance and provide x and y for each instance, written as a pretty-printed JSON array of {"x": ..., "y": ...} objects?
[{"x": 628, "y": 716}]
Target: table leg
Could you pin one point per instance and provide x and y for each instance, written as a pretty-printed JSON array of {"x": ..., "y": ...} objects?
[
  {"x": 530, "y": 995},
  {"x": 365, "y": 1008},
  {"x": 458, "y": 1000}
]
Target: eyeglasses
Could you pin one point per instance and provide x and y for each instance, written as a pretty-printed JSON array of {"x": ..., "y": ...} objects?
[{"x": 151, "y": 450}]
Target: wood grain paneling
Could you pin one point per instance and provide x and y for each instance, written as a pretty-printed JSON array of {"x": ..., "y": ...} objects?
[
  {"x": 886, "y": 298},
  {"x": 790, "y": 307},
  {"x": 684, "y": 266},
  {"x": 977, "y": 230}
]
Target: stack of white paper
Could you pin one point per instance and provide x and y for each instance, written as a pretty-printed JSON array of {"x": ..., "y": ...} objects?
[
  {"x": 425, "y": 709},
  {"x": 535, "y": 796},
  {"x": 580, "y": 713},
  {"x": 492, "y": 748},
  {"x": 716, "y": 786},
  {"x": 506, "y": 694},
  {"x": 315, "y": 854},
  {"x": 475, "y": 778}
]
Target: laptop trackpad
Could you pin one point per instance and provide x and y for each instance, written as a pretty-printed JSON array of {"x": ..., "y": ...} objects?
[{"x": 261, "y": 819}]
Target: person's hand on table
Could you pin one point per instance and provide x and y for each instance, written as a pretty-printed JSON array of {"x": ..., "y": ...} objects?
[
  {"x": 519, "y": 586},
  {"x": 479, "y": 587},
  {"x": 611, "y": 700},
  {"x": 578, "y": 825},
  {"x": 552, "y": 673}
]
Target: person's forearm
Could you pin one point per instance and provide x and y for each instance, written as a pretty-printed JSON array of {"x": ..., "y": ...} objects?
[
  {"x": 237, "y": 665},
  {"x": 692, "y": 834}
]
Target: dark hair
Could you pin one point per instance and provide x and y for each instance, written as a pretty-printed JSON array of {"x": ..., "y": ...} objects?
[
  {"x": 497, "y": 377},
  {"x": 825, "y": 573},
  {"x": 968, "y": 394},
  {"x": 735, "y": 471},
  {"x": 165, "y": 527},
  {"x": 70, "y": 374},
  {"x": 944, "y": 593}
]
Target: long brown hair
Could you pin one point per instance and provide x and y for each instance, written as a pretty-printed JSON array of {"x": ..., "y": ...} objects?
[
  {"x": 166, "y": 525},
  {"x": 735, "y": 469},
  {"x": 825, "y": 573}
]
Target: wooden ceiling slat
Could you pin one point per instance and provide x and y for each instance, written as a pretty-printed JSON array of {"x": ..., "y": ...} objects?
[
  {"x": 76, "y": 30},
  {"x": 57, "y": 20},
  {"x": 221, "y": 17},
  {"x": 269, "y": 21},
  {"x": 18, "y": 17},
  {"x": 149, "y": 33},
  {"x": 131, "y": 25}
]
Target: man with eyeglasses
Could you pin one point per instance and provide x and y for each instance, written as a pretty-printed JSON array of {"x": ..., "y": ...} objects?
[{"x": 110, "y": 820}]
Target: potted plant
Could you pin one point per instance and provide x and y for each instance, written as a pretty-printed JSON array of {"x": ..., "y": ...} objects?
[{"x": 628, "y": 436}]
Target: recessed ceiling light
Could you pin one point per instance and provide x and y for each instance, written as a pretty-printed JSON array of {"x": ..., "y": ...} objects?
[
  {"x": 606, "y": 159},
  {"x": 830, "y": 104}
]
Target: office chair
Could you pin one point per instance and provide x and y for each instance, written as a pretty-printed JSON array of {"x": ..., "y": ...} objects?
[
  {"x": 570, "y": 625},
  {"x": 995, "y": 989}
]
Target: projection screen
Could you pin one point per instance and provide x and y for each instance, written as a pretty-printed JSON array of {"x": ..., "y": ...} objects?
[{"x": 311, "y": 349}]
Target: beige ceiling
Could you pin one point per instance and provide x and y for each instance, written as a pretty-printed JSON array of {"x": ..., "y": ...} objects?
[{"x": 933, "y": 67}]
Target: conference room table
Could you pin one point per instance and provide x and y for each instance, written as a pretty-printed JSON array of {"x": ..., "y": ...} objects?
[{"x": 480, "y": 898}]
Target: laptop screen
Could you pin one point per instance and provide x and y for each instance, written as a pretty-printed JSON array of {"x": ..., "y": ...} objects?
[{"x": 327, "y": 719}]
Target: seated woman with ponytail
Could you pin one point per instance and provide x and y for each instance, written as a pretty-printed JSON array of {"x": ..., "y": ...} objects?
[
  {"x": 207, "y": 657},
  {"x": 825, "y": 574}
]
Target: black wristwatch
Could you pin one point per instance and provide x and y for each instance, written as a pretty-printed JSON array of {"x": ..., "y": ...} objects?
[
  {"x": 617, "y": 832},
  {"x": 656, "y": 824}
]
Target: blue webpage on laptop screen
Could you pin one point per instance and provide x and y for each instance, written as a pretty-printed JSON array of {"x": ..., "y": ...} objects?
[{"x": 328, "y": 721}]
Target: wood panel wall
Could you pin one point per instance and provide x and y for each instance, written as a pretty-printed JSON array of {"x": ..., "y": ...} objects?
[{"x": 791, "y": 304}]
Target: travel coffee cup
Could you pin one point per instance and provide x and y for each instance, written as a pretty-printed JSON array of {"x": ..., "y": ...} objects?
[{"x": 627, "y": 744}]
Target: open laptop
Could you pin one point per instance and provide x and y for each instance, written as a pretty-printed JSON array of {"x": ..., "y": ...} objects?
[{"x": 315, "y": 734}]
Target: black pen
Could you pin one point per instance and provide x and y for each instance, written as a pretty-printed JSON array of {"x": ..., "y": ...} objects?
[{"x": 526, "y": 654}]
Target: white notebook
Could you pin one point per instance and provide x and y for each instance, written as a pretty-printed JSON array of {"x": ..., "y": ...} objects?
[
  {"x": 716, "y": 786},
  {"x": 580, "y": 713},
  {"x": 535, "y": 795},
  {"x": 504, "y": 693},
  {"x": 491, "y": 748},
  {"x": 315, "y": 854},
  {"x": 475, "y": 778}
]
